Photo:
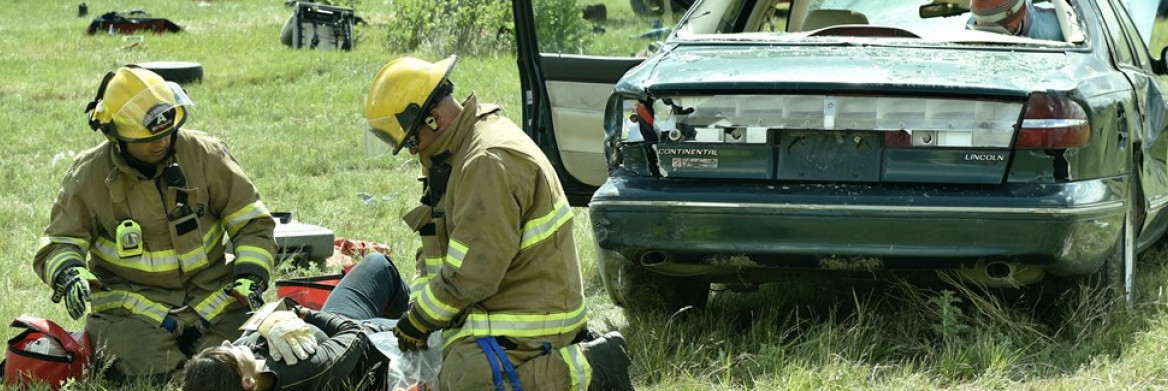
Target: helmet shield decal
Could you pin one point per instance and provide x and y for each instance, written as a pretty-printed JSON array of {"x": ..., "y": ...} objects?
[{"x": 152, "y": 113}]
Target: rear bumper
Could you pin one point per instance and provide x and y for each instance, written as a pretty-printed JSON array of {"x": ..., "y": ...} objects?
[{"x": 739, "y": 231}]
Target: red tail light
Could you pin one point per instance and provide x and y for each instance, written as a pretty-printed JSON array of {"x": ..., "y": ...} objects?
[{"x": 1053, "y": 122}]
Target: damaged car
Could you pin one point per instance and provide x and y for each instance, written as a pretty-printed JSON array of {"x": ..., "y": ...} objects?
[{"x": 770, "y": 136}]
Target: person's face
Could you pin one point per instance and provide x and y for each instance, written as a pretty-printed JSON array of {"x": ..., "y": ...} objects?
[
  {"x": 247, "y": 359},
  {"x": 426, "y": 136},
  {"x": 150, "y": 152}
]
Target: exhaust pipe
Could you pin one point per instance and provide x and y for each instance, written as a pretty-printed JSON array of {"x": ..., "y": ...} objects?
[
  {"x": 1001, "y": 273},
  {"x": 998, "y": 270},
  {"x": 653, "y": 258}
]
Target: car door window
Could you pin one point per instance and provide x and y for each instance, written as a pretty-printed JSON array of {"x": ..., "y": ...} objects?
[
  {"x": 1120, "y": 47},
  {"x": 1139, "y": 50}
]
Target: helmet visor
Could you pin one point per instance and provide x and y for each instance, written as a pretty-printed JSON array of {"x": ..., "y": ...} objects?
[
  {"x": 152, "y": 113},
  {"x": 389, "y": 131},
  {"x": 377, "y": 143}
]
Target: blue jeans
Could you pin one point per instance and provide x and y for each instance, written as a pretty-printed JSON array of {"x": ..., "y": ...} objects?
[{"x": 372, "y": 289}]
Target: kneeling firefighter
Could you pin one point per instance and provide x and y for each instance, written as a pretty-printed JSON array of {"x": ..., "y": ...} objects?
[
  {"x": 497, "y": 272},
  {"x": 149, "y": 208}
]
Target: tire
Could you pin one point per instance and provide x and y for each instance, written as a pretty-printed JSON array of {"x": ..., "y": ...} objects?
[
  {"x": 644, "y": 292},
  {"x": 1116, "y": 278},
  {"x": 181, "y": 72}
]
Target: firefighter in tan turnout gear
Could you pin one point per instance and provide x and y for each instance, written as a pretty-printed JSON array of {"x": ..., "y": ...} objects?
[
  {"x": 497, "y": 272},
  {"x": 149, "y": 207}
]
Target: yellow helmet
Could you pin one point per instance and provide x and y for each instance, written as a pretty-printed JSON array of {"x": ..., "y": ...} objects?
[
  {"x": 402, "y": 95},
  {"x": 137, "y": 105}
]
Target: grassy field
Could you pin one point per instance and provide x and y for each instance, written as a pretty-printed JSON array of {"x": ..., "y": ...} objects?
[{"x": 294, "y": 121}]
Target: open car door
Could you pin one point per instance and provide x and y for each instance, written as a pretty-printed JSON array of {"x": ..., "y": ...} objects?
[{"x": 564, "y": 98}]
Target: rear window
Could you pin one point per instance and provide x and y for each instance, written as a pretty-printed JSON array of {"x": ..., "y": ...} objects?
[{"x": 942, "y": 21}]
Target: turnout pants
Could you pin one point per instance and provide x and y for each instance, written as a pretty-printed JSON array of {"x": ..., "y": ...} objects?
[
  {"x": 465, "y": 367},
  {"x": 135, "y": 348}
]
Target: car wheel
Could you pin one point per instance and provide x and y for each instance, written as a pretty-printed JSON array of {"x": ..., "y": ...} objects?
[
  {"x": 1116, "y": 279},
  {"x": 645, "y": 292},
  {"x": 181, "y": 72}
]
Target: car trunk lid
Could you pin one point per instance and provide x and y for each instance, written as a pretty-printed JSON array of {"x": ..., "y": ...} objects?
[{"x": 893, "y": 117}]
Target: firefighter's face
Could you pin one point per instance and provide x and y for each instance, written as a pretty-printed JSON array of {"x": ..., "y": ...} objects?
[{"x": 150, "y": 152}]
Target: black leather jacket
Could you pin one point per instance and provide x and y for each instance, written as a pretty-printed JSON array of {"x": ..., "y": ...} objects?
[{"x": 344, "y": 359}]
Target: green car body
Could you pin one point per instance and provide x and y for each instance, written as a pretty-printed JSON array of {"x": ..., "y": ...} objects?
[{"x": 734, "y": 158}]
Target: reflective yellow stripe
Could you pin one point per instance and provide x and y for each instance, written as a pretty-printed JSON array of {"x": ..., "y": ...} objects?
[
  {"x": 255, "y": 256},
  {"x": 418, "y": 286},
  {"x": 49, "y": 240},
  {"x": 435, "y": 309},
  {"x": 433, "y": 266},
  {"x": 537, "y": 230},
  {"x": 214, "y": 304},
  {"x": 236, "y": 220},
  {"x": 455, "y": 253},
  {"x": 520, "y": 325},
  {"x": 159, "y": 261},
  {"x": 133, "y": 302},
  {"x": 57, "y": 261},
  {"x": 578, "y": 366}
]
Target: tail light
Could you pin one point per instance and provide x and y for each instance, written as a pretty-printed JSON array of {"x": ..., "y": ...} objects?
[{"x": 1053, "y": 122}]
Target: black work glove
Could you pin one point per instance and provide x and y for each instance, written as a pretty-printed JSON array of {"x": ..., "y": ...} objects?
[{"x": 411, "y": 333}]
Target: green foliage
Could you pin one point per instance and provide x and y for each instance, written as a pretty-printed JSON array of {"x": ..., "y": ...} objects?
[
  {"x": 477, "y": 27},
  {"x": 951, "y": 322},
  {"x": 560, "y": 27}
]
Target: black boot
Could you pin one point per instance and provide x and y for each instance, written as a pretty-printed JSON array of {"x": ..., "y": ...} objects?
[{"x": 609, "y": 358}]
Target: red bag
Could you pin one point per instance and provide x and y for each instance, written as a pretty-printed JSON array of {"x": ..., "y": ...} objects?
[
  {"x": 44, "y": 353},
  {"x": 310, "y": 292}
]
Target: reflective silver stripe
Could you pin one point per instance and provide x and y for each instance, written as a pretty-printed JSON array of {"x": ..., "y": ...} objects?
[
  {"x": 193, "y": 259},
  {"x": 434, "y": 308},
  {"x": 149, "y": 261},
  {"x": 519, "y": 325},
  {"x": 433, "y": 265},
  {"x": 1109, "y": 206},
  {"x": 526, "y": 325},
  {"x": 60, "y": 259},
  {"x": 162, "y": 260},
  {"x": 236, "y": 220},
  {"x": 418, "y": 286},
  {"x": 133, "y": 302},
  {"x": 214, "y": 304},
  {"x": 255, "y": 256},
  {"x": 455, "y": 253},
  {"x": 578, "y": 365},
  {"x": 49, "y": 240},
  {"x": 539, "y": 229}
]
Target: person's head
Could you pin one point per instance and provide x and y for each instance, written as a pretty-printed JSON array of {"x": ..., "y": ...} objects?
[
  {"x": 140, "y": 110},
  {"x": 225, "y": 367},
  {"x": 408, "y": 102},
  {"x": 1004, "y": 16}
]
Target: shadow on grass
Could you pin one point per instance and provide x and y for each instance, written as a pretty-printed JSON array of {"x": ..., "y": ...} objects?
[{"x": 883, "y": 329}]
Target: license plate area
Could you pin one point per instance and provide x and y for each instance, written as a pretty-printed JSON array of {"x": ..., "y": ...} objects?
[{"x": 824, "y": 155}]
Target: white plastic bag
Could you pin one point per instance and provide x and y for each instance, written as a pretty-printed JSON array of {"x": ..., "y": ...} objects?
[{"x": 410, "y": 371}]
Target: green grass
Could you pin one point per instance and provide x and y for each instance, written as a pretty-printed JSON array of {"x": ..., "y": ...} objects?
[{"x": 294, "y": 119}]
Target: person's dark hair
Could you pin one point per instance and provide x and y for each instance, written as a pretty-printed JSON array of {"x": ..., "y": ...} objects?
[{"x": 213, "y": 369}]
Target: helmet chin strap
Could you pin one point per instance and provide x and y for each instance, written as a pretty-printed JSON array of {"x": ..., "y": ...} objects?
[{"x": 147, "y": 169}]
